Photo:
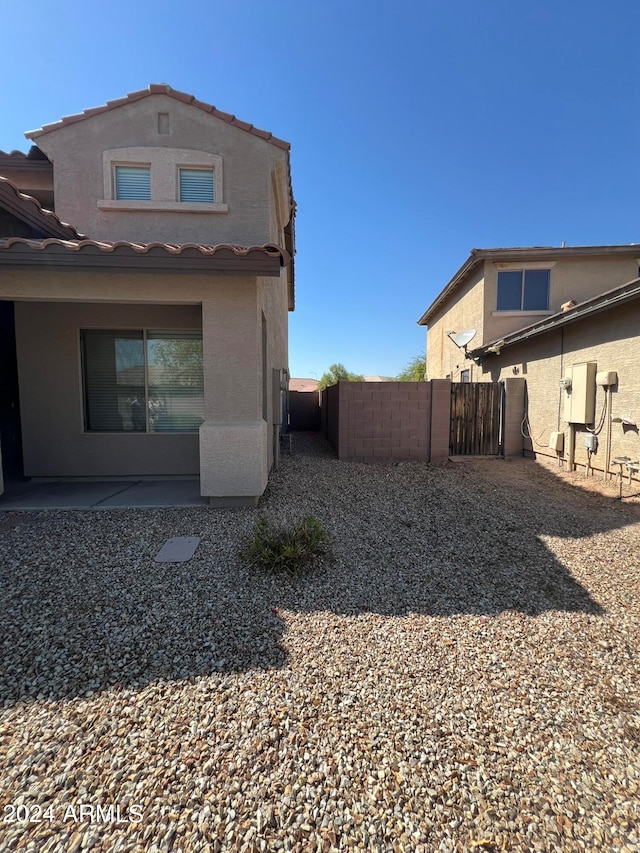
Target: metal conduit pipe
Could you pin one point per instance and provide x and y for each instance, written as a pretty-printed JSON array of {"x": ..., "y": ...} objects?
[{"x": 607, "y": 455}]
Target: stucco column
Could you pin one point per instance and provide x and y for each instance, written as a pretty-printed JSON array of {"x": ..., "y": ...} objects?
[
  {"x": 440, "y": 419},
  {"x": 514, "y": 387},
  {"x": 233, "y": 437}
]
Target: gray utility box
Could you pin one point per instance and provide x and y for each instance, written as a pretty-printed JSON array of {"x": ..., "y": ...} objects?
[
  {"x": 591, "y": 441},
  {"x": 581, "y": 399}
]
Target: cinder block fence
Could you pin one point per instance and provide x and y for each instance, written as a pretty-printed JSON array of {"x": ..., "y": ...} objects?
[
  {"x": 370, "y": 421},
  {"x": 387, "y": 420}
]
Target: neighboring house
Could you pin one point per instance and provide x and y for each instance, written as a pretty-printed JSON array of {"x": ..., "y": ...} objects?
[
  {"x": 157, "y": 344},
  {"x": 539, "y": 313},
  {"x": 305, "y": 385}
]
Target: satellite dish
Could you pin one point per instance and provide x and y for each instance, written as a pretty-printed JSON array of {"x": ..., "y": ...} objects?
[{"x": 463, "y": 338}]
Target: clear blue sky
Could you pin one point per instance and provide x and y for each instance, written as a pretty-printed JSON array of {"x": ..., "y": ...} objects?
[{"x": 419, "y": 131}]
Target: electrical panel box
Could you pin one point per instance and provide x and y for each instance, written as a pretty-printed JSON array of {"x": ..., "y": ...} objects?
[
  {"x": 582, "y": 400},
  {"x": 556, "y": 441},
  {"x": 606, "y": 377}
]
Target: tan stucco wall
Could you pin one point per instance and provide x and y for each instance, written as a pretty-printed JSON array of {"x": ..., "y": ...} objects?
[
  {"x": 272, "y": 302},
  {"x": 473, "y": 305},
  {"x": 611, "y": 340},
  {"x": 466, "y": 312},
  {"x": 237, "y": 445},
  {"x": 231, "y": 309},
  {"x": 51, "y": 406},
  {"x": 103, "y": 286},
  {"x": 248, "y": 161},
  {"x": 29, "y": 180},
  {"x": 571, "y": 278}
]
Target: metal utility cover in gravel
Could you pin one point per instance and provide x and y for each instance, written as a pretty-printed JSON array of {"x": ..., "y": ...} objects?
[{"x": 177, "y": 550}]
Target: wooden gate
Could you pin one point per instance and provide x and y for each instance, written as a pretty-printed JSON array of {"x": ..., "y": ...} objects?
[{"x": 477, "y": 418}]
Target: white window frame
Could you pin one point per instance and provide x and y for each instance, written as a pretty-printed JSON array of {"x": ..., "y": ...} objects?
[{"x": 164, "y": 164}]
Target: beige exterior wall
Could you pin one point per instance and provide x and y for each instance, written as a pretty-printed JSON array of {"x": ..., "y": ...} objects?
[
  {"x": 247, "y": 165},
  {"x": 237, "y": 443},
  {"x": 272, "y": 303},
  {"x": 611, "y": 340},
  {"x": 116, "y": 286},
  {"x": 466, "y": 311},
  {"x": 474, "y": 305},
  {"x": 236, "y": 447},
  {"x": 51, "y": 401},
  {"x": 30, "y": 181},
  {"x": 571, "y": 278}
]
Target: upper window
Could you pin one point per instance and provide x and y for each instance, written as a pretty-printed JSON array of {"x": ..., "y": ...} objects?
[
  {"x": 523, "y": 290},
  {"x": 176, "y": 180},
  {"x": 133, "y": 183},
  {"x": 142, "y": 381},
  {"x": 197, "y": 185}
]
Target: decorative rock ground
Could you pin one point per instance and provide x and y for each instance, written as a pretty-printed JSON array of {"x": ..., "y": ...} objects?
[{"x": 459, "y": 673}]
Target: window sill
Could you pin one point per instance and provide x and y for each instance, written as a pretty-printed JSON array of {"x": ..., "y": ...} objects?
[
  {"x": 522, "y": 313},
  {"x": 160, "y": 206}
]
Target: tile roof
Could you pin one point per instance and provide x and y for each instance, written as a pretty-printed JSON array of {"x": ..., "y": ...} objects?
[
  {"x": 124, "y": 247},
  {"x": 160, "y": 89},
  {"x": 29, "y": 210},
  {"x": 87, "y": 255},
  {"x": 34, "y": 154}
]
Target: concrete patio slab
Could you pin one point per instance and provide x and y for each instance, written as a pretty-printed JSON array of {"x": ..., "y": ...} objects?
[
  {"x": 154, "y": 493},
  {"x": 103, "y": 494}
]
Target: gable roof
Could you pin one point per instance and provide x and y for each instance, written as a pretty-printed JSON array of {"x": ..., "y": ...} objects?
[
  {"x": 159, "y": 89},
  {"x": 523, "y": 253},
  {"x": 29, "y": 210},
  {"x": 596, "y": 305}
]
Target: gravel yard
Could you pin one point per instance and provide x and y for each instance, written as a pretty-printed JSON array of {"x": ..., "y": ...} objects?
[{"x": 460, "y": 672}]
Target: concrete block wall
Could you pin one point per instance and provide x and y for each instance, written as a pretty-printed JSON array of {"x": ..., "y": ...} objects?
[
  {"x": 369, "y": 421},
  {"x": 329, "y": 415},
  {"x": 385, "y": 420}
]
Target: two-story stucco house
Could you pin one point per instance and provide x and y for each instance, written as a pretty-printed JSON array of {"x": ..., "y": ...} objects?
[
  {"x": 538, "y": 313},
  {"x": 147, "y": 337}
]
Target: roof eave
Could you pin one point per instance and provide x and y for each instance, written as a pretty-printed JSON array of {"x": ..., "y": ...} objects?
[
  {"x": 603, "y": 302},
  {"x": 53, "y": 254},
  {"x": 29, "y": 210}
]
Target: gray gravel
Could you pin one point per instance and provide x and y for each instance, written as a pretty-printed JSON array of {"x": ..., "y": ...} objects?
[{"x": 460, "y": 671}]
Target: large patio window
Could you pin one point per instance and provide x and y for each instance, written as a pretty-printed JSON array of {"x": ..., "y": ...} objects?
[{"x": 142, "y": 381}]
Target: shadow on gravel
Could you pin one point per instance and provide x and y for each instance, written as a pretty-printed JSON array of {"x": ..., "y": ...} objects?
[{"x": 85, "y": 608}]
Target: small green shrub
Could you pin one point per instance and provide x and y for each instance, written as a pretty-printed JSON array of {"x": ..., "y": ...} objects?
[{"x": 285, "y": 549}]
